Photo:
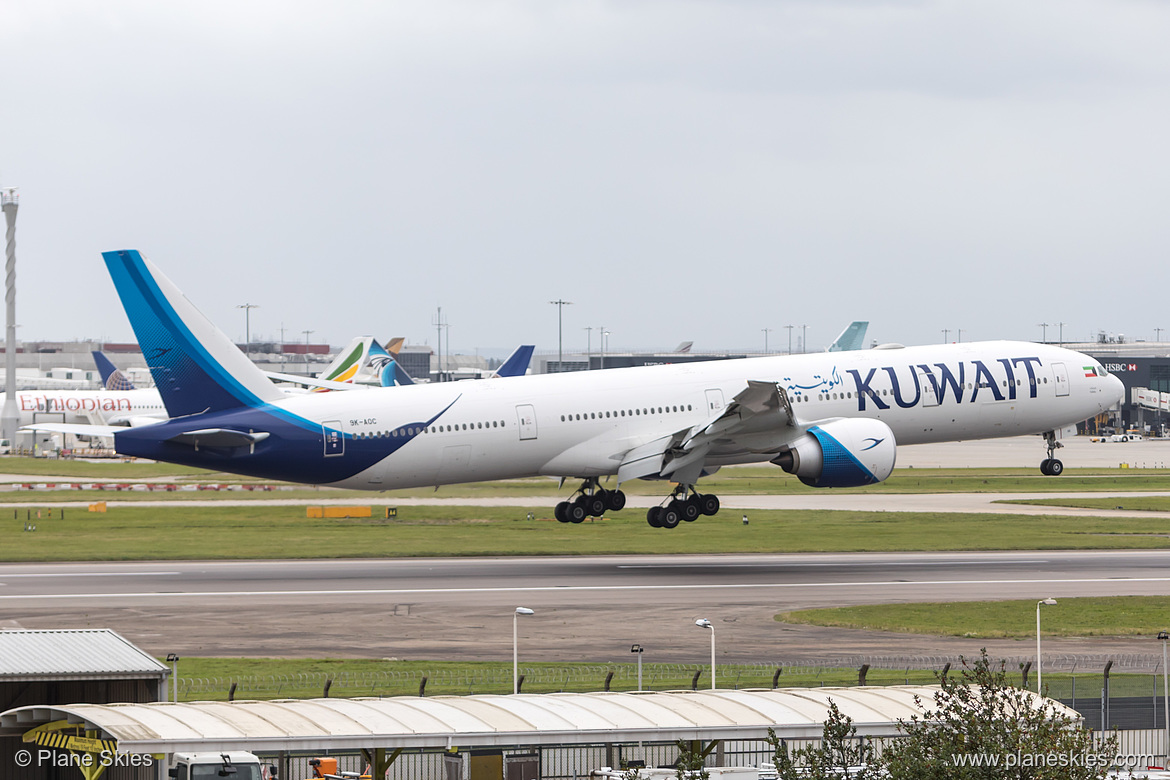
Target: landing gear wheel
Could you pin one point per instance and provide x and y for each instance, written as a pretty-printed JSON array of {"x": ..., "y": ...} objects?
[
  {"x": 669, "y": 517},
  {"x": 576, "y": 513},
  {"x": 615, "y": 500},
  {"x": 652, "y": 516},
  {"x": 688, "y": 509},
  {"x": 1055, "y": 468},
  {"x": 594, "y": 505},
  {"x": 708, "y": 503},
  {"x": 1044, "y": 464},
  {"x": 561, "y": 512}
]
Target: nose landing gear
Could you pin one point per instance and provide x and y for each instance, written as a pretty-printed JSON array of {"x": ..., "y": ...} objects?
[{"x": 1051, "y": 466}]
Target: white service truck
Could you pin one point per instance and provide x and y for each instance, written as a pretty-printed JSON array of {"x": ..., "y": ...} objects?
[{"x": 235, "y": 765}]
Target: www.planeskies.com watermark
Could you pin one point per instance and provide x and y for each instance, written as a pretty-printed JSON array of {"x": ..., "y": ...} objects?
[{"x": 1067, "y": 760}]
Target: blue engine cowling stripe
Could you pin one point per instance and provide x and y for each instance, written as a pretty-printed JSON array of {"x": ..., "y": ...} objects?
[{"x": 839, "y": 467}]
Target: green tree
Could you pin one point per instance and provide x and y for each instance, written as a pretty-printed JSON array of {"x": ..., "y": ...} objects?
[
  {"x": 690, "y": 762},
  {"x": 839, "y": 754},
  {"x": 978, "y": 714}
]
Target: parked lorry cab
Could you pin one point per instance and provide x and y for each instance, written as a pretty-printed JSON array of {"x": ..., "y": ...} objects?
[{"x": 236, "y": 765}]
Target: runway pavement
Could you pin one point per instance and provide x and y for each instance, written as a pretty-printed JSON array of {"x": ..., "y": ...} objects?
[{"x": 588, "y": 608}]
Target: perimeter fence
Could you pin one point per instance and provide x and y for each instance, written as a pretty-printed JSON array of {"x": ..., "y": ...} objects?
[{"x": 1122, "y": 691}]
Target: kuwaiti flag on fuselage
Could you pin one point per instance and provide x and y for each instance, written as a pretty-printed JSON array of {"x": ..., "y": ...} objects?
[{"x": 196, "y": 368}]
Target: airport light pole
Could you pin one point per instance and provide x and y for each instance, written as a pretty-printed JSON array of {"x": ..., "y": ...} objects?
[
  {"x": 10, "y": 417},
  {"x": 705, "y": 623},
  {"x": 515, "y": 652},
  {"x": 588, "y": 347},
  {"x": 1049, "y": 602},
  {"x": 1044, "y": 332},
  {"x": 790, "y": 327},
  {"x": 804, "y": 338},
  {"x": 1158, "y": 334},
  {"x": 560, "y": 304},
  {"x": 1163, "y": 636},
  {"x": 946, "y": 334},
  {"x": 173, "y": 660},
  {"x": 247, "y": 307},
  {"x": 766, "y": 332},
  {"x": 638, "y": 650},
  {"x": 1061, "y": 342}
]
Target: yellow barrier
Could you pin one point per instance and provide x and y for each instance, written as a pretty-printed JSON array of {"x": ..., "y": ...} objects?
[
  {"x": 338, "y": 511},
  {"x": 100, "y": 506}
]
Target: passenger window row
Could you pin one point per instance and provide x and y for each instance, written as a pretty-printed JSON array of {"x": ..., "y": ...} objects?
[
  {"x": 645, "y": 411},
  {"x": 412, "y": 430}
]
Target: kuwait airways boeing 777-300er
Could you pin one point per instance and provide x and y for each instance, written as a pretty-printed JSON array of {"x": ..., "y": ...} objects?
[{"x": 832, "y": 419}]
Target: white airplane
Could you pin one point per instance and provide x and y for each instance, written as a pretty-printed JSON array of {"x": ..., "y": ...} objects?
[{"x": 832, "y": 419}]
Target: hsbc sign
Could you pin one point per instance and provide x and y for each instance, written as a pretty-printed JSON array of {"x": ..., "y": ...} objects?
[{"x": 1121, "y": 368}]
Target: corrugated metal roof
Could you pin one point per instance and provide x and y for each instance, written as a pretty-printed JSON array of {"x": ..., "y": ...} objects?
[
  {"x": 73, "y": 654},
  {"x": 477, "y": 721}
]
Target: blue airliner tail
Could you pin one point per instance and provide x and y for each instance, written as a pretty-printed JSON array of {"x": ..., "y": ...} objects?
[
  {"x": 112, "y": 376},
  {"x": 196, "y": 368},
  {"x": 517, "y": 362}
]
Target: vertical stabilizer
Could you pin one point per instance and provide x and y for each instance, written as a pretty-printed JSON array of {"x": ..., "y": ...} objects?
[
  {"x": 852, "y": 338},
  {"x": 517, "y": 362},
  {"x": 196, "y": 368},
  {"x": 112, "y": 376}
]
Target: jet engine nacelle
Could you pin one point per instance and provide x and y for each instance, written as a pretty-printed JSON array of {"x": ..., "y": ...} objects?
[{"x": 842, "y": 453}]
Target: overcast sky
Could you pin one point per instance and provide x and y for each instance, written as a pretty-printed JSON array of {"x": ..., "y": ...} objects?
[{"x": 682, "y": 170}]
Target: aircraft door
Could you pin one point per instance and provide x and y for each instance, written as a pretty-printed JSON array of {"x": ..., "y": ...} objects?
[
  {"x": 714, "y": 401},
  {"x": 1060, "y": 377},
  {"x": 926, "y": 382},
  {"x": 526, "y": 416},
  {"x": 334, "y": 438}
]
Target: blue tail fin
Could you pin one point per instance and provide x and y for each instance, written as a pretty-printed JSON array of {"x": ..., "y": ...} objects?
[
  {"x": 195, "y": 366},
  {"x": 112, "y": 377},
  {"x": 517, "y": 362}
]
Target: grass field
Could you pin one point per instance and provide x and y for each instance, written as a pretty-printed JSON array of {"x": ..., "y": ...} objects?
[
  {"x": 211, "y": 532},
  {"x": 1112, "y": 616},
  {"x": 1130, "y": 503},
  {"x": 745, "y": 480}
]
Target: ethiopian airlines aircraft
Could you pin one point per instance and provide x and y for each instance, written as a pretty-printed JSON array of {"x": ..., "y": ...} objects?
[{"x": 832, "y": 419}]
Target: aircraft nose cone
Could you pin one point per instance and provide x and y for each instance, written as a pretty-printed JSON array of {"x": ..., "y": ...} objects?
[{"x": 1118, "y": 388}]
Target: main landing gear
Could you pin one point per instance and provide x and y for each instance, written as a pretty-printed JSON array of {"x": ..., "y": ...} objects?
[
  {"x": 1050, "y": 466},
  {"x": 682, "y": 507},
  {"x": 594, "y": 501}
]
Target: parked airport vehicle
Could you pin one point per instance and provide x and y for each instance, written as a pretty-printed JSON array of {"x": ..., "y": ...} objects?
[
  {"x": 831, "y": 419},
  {"x": 236, "y": 765}
]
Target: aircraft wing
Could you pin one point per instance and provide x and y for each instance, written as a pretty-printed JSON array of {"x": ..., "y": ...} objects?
[
  {"x": 760, "y": 408},
  {"x": 77, "y": 429}
]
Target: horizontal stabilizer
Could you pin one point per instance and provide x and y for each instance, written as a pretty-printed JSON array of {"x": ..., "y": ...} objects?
[
  {"x": 219, "y": 437},
  {"x": 77, "y": 429},
  {"x": 309, "y": 381}
]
